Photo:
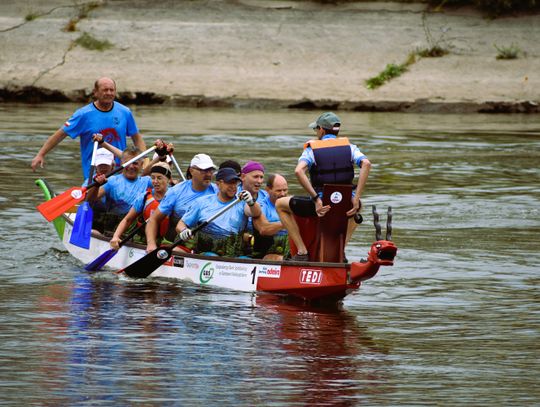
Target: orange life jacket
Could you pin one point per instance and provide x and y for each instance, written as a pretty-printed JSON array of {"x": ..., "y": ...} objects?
[{"x": 150, "y": 205}]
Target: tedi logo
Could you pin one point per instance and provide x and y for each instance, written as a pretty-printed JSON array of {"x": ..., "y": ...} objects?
[
  {"x": 311, "y": 276},
  {"x": 207, "y": 272}
]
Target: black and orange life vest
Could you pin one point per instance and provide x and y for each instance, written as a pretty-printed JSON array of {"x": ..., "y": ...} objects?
[{"x": 333, "y": 162}]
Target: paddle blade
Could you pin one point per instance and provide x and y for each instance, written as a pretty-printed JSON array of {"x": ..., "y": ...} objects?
[
  {"x": 56, "y": 206},
  {"x": 82, "y": 228},
  {"x": 100, "y": 261},
  {"x": 146, "y": 265}
]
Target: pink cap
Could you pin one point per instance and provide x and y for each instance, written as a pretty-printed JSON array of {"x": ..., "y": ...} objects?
[{"x": 252, "y": 166}]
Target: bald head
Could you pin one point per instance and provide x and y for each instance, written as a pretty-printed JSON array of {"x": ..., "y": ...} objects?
[
  {"x": 104, "y": 93},
  {"x": 104, "y": 81},
  {"x": 277, "y": 187}
]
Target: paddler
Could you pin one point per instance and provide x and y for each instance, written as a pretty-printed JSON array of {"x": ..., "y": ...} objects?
[
  {"x": 260, "y": 230},
  {"x": 271, "y": 240},
  {"x": 147, "y": 203},
  {"x": 120, "y": 191},
  {"x": 180, "y": 197},
  {"x": 223, "y": 236}
]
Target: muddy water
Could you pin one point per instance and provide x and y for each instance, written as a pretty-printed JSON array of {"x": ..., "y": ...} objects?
[{"x": 454, "y": 321}]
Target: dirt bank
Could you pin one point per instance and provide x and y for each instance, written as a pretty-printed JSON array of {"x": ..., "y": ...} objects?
[{"x": 269, "y": 54}]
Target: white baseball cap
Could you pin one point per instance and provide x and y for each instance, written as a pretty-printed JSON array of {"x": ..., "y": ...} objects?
[
  {"x": 104, "y": 156},
  {"x": 202, "y": 162}
]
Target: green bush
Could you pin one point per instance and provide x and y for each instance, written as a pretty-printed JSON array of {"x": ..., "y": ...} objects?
[
  {"x": 391, "y": 71},
  {"x": 89, "y": 42},
  {"x": 507, "y": 52}
]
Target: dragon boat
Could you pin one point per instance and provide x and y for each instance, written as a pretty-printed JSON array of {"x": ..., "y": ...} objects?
[{"x": 330, "y": 278}]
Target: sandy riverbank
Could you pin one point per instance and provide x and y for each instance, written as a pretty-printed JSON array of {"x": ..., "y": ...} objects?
[{"x": 269, "y": 53}]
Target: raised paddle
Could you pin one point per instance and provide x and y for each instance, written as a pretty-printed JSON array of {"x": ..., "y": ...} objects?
[
  {"x": 104, "y": 258},
  {"x": 146, "y": 265},
  {"x": 56, "y": 206},
  {"x": 82, "y": 228},
  {"x": 177, "y": 167}
]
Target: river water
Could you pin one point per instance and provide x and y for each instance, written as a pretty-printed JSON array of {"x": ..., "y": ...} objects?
[{"x": 455, "y": 321}]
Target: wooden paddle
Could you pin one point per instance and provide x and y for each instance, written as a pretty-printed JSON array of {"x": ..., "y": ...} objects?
[
  {"x": 103, "y": 259},
  {"x": 61, "y": 203},
  {"x": 177, "y": 167},
  {"x": 146, "y": 265},
  {"x": 82, "y": 228}
]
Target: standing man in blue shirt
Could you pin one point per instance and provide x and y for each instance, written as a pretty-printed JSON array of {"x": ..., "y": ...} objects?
[
  {"x": 329, "y": 160},
  {"x": 105, "y": 116}
]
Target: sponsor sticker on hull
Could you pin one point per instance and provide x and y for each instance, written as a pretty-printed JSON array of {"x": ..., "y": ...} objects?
[
  {"x": 240, "y": 276},
  {"x": 269, "y": 271},
  {"x": 310, "y": 276}
]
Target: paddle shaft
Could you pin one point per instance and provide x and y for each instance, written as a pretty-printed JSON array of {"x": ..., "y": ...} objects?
[
  {"x": 131, "y": 234},
  {"x": 93, "y": 162},
  {"x": 177, "y": 167},
  {"x": 206, "y": 222}
]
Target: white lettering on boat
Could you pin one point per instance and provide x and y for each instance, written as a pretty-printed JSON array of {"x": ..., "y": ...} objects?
[{"x": 308, "y": 276}]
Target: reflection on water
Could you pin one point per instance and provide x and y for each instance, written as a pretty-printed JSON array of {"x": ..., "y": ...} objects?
[
  {"x": 454, "y": 321},
  {"x": 98, "y": 338}
]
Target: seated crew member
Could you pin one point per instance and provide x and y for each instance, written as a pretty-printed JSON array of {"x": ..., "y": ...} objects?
[
  {"x": 146, "y": 203},
  {"x": 104, "y": 164},
  {"x": 329, "y": 160},
  {"x": 120, "y": 191},
  {"x": 252, "y": 180},
  {"x": 179, "y": 198},
  {"x": 104, "y": 161},
  {"x": 271, "y": 240},
  {"x": 252, "y": 175},
  {"x": 235, "y": 165},
  {"x": 223, "y": 236}
]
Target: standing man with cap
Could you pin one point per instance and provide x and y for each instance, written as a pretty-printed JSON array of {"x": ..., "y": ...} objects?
[
  {"x": 329, "y": 160},
  {"x": 179, "y": 198},
  {"x": 222, "y": 236},
  {"x": 105, "y": 116}
]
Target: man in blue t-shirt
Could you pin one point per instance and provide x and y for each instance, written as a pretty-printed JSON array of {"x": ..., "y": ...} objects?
[
  {"x": 179, "y": 198},
  {"x": 105, "y": 116},
  {"x": 229, "y": 225},
  {"x": 122, "y": 191},
  {"x": 271, "y": 240}
]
